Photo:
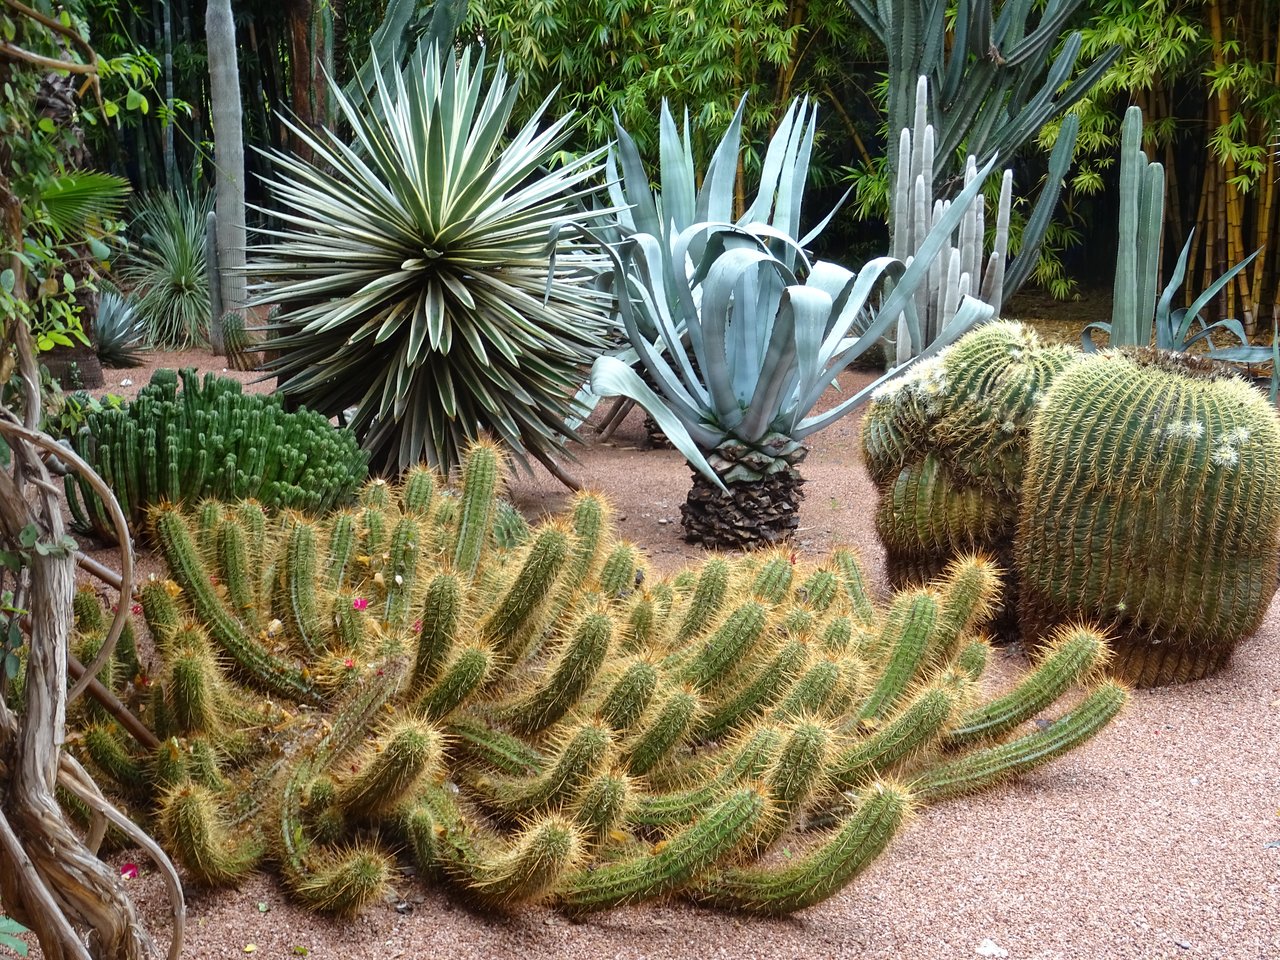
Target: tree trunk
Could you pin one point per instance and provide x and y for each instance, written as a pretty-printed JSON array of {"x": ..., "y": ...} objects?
[{"x": 228, "y": 157}]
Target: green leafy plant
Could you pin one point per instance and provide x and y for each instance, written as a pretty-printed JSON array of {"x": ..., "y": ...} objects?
[
  {"x": 210, "y": 439},
  {"x": 118, "y": 330},
  {"x": 167, "y": 272},
  {"x": 413, "y": 274},
  {"x": 767, "y": 332},
  {"x": 543, "y": 721}
]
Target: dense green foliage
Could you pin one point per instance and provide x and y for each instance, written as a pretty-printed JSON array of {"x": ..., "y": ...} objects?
[
  {"x": 210, "y": 440},
  {"x": 544, "y": 721}
]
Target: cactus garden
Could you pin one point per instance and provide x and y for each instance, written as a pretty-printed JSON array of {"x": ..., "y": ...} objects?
[{"x": 639, "y": 480}]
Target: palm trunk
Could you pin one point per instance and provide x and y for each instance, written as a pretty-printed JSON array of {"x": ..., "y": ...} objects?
[{"x": 228, "y": 155}]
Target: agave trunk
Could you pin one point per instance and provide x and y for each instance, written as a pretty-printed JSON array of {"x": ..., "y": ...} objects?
[{"x": 759, "y": 506}]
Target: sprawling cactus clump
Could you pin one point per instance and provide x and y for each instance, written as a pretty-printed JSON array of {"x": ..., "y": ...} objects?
[
  {"x": 1151, "y": 503},
  {"x": 529, "y": 715},
  {"x": 210, "y": 439},
  {"x": 945, "y": 444}
]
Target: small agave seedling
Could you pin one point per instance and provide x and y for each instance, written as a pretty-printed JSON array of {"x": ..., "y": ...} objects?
[{"x": 749, "y": 334}]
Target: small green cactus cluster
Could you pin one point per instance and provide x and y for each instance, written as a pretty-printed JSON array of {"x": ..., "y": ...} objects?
[
  {"x": 544, "y": 720},
  {"x": 210, "y": 439},
  {"x": 238, "y": 342},
  {"x": 1138, "y": 490},
  {"x": 1151, "y": 504},
  {"x": 944, "y": 445}
]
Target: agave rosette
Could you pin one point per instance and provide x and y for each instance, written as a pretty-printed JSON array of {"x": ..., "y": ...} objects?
[
  {"x": 764, "y": 339},
  {"x": 413, "y": 268}
]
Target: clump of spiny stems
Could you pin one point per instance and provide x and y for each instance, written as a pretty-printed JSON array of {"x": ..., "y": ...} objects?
[{"x": 529, "y": 715}]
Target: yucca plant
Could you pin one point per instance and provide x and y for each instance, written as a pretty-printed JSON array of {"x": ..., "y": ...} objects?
[
  {"x": 167, "y": 272},
  {"x": 422, "y": 274},
  {"x": 764, "y": 342},
  {"x": 118, "y": 329}
]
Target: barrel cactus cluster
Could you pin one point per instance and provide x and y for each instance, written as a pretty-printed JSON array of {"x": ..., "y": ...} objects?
[
  {"x": 945, "y": 446},
  {"x": 184, "y": 439},
  {"x": 1138, "y": 490},
  {"x": 529, "y": 714},
  {"x": 1151, "y": 505}
]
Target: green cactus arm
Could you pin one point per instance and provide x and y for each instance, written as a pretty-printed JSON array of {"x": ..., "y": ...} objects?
[
  {"x": 265, "y": 669},
  {"x": 405, "y": 754},
  {"x": 480, "y": 474},
  {"x": 819, "y": 590},
  {"x": 707, "y": 601},
  {"x": 812, "y": 878},
  {"x": 908, "y": 632},
  {"x": 298, "y": 585},
  {"x": 510, "y": 627},
  {"x": 984, "y": 768},
  {"x": 755, "y": 753},
  {"x": 728, "y": 646},
  {"x": 234, "y": 567},
  {"x": 770, "y": 683},
  {"x": 106, "y": 749},
  {"x": 439, "y": 628},
  {"x": 465, "y": 674},
  {"x": 972, "y": 658},
  {"x": 798, "y": 774},
  {"x": 629, "y": 695},
  {"x": 773, "y": 583},
  {"x": 586, "y": 752},
  {"x": 666, "y": 729},
  {"x": 813, "y": 691},
  {"x": 603, "y": 805},
  {"x": 419, "y": 496},
  {"x": 724, "y": 828},
  {"x": 540, "y": 856},
  {"x": 618, "y": 573},
  {"x": 567, "y": 678},
  {"x": 193, "y": 827},
  {"x": 481, "y": 742},
  {"x": 849, "y": 569},
  {"x": 1070, "y": 656},
  {"x": 343, "y": 882},
  {"x": 917, "y": 727}
]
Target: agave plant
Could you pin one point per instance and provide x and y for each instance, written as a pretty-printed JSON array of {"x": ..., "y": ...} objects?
[
  {"x": 118, "y": 329},
  {"x": 423, "y": 276},
  {"x": 764, "y": 342},
  {"x": 167, "y": 273}
]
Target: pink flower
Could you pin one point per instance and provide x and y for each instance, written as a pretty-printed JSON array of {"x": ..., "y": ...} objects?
[
  {"x": 417, "y": 626},
  {"x": 359, "y": 603},
  {"x": 136, "y": 609},
  {"x": 129, "y": 871},
  {"x": 349, "y": 663}
]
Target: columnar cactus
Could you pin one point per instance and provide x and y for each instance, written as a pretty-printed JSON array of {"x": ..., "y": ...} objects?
[
  {"x": 541, "y": 720},
  {"x": 944, "y": 445},
  {"x": 1151, "y": 504},
  {"x": 211, "y": 440}
]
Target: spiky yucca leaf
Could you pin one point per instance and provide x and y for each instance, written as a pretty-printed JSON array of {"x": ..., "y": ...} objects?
[
  {"x": 118, "y": 330},
  {"x": 413, "y": 268},
  {"x": 167, "y": 271}
]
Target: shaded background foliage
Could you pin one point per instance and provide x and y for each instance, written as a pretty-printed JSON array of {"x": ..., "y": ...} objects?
[{"x": 1205, "y": 72}]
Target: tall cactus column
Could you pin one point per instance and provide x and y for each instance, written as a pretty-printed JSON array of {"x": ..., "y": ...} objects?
[{"x": 1151, "y": 503}]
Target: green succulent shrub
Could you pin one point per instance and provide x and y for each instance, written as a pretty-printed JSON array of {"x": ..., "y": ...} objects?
[
  {"x": 118, "y": 330},
  {"x": 749, "y": 334},
  {"x": 166, "y": 272},
  {"x": 210, "y": 439},
  {"x": 534, "y": 717},
  {"x": 1151, "y": 504},
  {"x": 239, "y": 342},
  {"x": 424, "y": 276},
  {"x": 945, "y": 446}
]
